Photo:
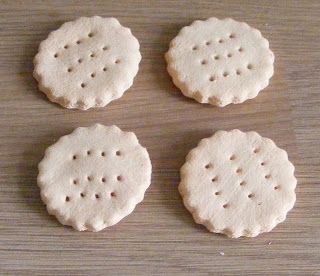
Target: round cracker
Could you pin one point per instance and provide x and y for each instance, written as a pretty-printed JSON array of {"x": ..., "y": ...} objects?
[
  {"x": 87, "y": 62},
  {"x": 238, "y": 184},
  {"x": 94, "y": 177},
  {"x": 220, "y": 61}
]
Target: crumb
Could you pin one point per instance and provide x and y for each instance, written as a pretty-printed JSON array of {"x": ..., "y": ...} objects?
[
  {"x": 221, "y": 253},
  {"x": 269, "y": 243}
]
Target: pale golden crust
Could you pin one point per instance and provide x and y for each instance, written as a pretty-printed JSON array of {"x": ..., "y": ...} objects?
[
  {"x": 220, "y": 61},
  {"x": 87, "y": 62},
  {"x": 94, "y": 177},
  {"x": 238, "y": 184}
]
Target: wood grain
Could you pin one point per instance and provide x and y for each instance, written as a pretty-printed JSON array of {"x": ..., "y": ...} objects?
[{"x": 159, "y": 237}]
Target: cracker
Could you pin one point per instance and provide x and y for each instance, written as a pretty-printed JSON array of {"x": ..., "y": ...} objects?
[
  {"x": 220, "y": 61},
  {"x": 238, "y": 183},
  {"x": 87, "y": 63},
  {"x": 94, "y": 177}
]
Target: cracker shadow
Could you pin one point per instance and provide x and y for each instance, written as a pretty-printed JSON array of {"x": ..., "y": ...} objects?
[
  {"x": 161, "y": 74},
  {"x": 30, "y": 192},
  {"x": 29, "y": 51},
  {"x": 170, "y": 177}
]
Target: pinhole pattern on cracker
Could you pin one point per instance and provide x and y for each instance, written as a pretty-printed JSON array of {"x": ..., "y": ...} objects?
[
  {"x": 238, "y": 184},
  {"x": 220, "y": 61},
  {"x": 87, "y": 62},
  {"x": 94, "y": 177}
]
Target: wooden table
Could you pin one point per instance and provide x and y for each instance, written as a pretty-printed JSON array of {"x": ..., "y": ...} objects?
[{"x": 159, "y": 237}]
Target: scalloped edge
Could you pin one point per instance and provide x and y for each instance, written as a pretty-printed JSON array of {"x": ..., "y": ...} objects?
[
  {"x": 231, "y": 233},
  {"x": 76, "y": 103},
  {"x": 97, "y": 224},
  {"x": 214, "y": 100}
]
